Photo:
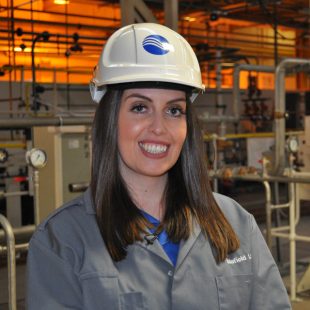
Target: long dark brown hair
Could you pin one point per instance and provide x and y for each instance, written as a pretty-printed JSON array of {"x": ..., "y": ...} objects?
[{"x": 188, "y": 192}]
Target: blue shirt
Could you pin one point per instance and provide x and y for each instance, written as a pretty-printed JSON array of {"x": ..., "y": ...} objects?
[{"x": 171, "y": 248}]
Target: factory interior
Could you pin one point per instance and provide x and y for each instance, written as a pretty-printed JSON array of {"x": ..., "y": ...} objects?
[{"x": 254, "y": 57}]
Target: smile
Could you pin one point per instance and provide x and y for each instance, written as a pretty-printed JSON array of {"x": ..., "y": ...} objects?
[{"x": 153, "y": 148}]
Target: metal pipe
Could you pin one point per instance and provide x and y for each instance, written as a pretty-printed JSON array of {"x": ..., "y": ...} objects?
[
  {"x": 297, "y": 194},
  {"x": 217, "y": 32},
  {"x": 86, "y": 89},
  {"x": 61, "y": 14},
  {"x": 302, "y": 238},
  {"x": 118, "y": 20},
  {"x": 197, "y": 37},
  {"x": 259, "y": 178},
  {"x": 279, "y": 113},
  {"x": 217, "y": 118},
  {"x": 10, "y": 240},
  {"x": 277, "y": 217},
  {"x": 22, "y": 84},
  {"x": 74, "y": 71},
  {"x": 19, "y": 232},
  {"x": 297, "y": 238},
  {"x": 255, "y": 135},
  {"x": 219, "y": 96},
  {"x": 12, "y": 194},
  {"x": 10, "y": 99},
  {"x": 297, "y": 202},
  {"x": 281, "y": 228},
  {"x": 281, "y": 235},
  {"x": 6, "y": 112},
  {"x": 68, "y": 36},
  {"x": 171, "y": 13},
  {"x": 275, "y": 34},
  {"x": 236, "y": 82},
  {"x": 78, "y": 187},
  {"x": 12, "y": 24},
  {"x": 36, "y": 197},
  {"x": 51, "y": 121},
  {"x": 268, "y": 214},
  {"x": 44, "y": 36},
  {"x": 215, "y": 162},
  {"x": 218, "y": 40},
  {"x": 292, "y": 239},
  {"x": 23, "y": 247},
  {"x": 13, "y": 145},
  {"x": 55, "y": 101},
  {"x": 61, "y": 24},
  {"x": 268, "y": 205},
  {"x": 280, "y": 206}
]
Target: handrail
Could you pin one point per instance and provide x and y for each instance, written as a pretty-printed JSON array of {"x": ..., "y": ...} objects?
[
  {"x": 10, "y": 240},
  {"x": 279, "y": 112}
]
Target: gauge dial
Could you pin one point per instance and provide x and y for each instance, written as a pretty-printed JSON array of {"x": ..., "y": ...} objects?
[
  {"x": 4, "y": 156},
  {"x": 293, "y": 145},
  {"x": 37, "y": 158}
]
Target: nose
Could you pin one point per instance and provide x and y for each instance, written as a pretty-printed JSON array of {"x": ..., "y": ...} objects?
[{"x": 158, "y": 125}]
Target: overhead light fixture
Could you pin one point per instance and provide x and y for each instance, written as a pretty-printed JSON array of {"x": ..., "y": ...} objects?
[
  {"x": 61, "y": 2},
  {"x": 214, "y": 16},
  {"x": 190, "y": 19},
  {"x": 22, "y": 48}
]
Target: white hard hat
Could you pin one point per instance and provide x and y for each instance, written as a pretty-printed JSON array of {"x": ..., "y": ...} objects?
[{"x": 145, "y": 52}]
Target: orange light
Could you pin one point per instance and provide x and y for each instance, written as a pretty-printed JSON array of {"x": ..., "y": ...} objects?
[
  {"x": 190, "y": 19},
  {"x": 19, "y": 49},
  {"x": 61, "y": 2}
]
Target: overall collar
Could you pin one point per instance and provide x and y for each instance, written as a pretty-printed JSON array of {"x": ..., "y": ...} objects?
[{"x": 156, "y": 248}]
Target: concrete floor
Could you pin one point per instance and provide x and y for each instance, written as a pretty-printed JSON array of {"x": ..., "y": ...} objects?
[{"x": 303, "y": 256}]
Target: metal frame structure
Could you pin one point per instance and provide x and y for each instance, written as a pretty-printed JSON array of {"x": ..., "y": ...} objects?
[
  {"x": 280, "y": 108},
  {"x": 294, "y": 202},
  {"x": 287, "y": 231}
]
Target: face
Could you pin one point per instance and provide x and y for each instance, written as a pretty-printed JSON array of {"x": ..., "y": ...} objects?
[{"x": 151, "y": 130}]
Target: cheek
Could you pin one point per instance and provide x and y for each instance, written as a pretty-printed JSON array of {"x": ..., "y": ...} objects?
[
  {"x": 182, "y": 132},
  {"x": 128, "y": 131}
]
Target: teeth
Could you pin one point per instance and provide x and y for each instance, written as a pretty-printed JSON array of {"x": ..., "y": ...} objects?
[{"x": 153, "y": 148}]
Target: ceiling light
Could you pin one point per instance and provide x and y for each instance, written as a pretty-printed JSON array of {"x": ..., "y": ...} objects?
[
  {"x": 190, "y": 19},
  {"x": 214, "y": 16},
  {"x": 61, "y": 2}
]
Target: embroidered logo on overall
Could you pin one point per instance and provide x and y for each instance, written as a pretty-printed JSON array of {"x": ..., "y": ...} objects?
[
  {"x": 239, "y": 259},
  {"x": 156, "y": 45}
]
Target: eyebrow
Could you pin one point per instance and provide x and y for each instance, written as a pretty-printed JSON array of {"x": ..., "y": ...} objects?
[{"x": 150, "y": 100}]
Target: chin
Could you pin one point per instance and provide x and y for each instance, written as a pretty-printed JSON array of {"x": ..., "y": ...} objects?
[{"x": 153, "y": 173}]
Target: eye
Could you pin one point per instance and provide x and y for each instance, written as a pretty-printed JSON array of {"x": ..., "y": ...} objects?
[
  {"x": 176, "y": 111},
  {"x": 138, "y": 108}
]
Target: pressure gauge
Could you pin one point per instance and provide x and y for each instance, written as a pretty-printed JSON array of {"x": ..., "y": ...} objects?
[
  {"x": 37, "y": 158},
  {"x": 293, "y": 145},
  {"x": 4, "y": 156}
]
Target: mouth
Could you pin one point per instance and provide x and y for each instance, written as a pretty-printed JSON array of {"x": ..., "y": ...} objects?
[{"x": 154, "y": 148}]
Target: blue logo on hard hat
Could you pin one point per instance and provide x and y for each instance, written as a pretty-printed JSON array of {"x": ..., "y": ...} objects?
[{"x": 156, "y": 45}]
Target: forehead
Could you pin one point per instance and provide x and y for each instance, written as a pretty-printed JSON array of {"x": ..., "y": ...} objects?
[{"x": 161, "y": 93}]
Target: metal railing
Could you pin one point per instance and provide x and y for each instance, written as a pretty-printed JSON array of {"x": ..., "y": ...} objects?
[
  {"x": 287, "y": 231},
  {"x": 10, "y": 248}
]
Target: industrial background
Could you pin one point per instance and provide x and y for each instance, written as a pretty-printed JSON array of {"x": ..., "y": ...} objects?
[{"x": 255, "y": 113}]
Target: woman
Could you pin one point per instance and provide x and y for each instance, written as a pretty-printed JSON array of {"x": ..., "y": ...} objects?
[{"x": 149, "y": 233}]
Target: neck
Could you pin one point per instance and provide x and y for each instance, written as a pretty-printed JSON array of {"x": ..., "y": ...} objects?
[{"x": 147, "y": 192}]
